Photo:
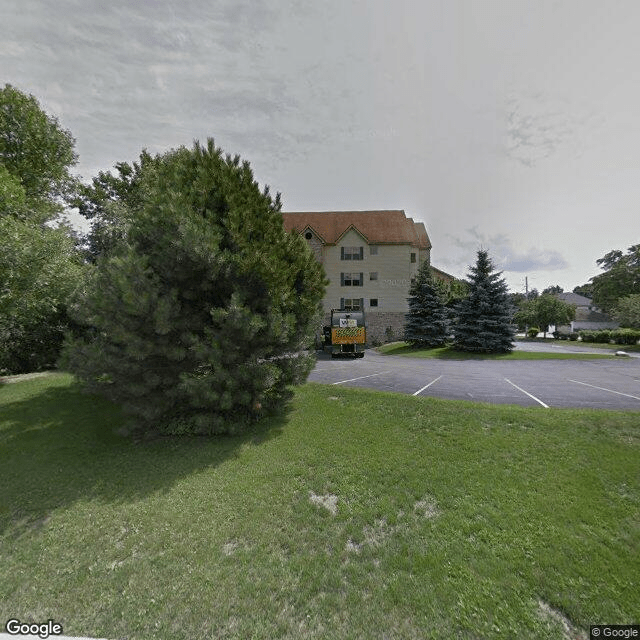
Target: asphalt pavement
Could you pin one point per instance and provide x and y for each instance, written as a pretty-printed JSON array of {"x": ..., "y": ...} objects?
[{"x": 597, "y": 384}]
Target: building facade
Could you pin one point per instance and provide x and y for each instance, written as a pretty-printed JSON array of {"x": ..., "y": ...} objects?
[{"x": 370, "y": 258}]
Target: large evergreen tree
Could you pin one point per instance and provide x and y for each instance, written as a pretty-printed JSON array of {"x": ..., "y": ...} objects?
[
  {"x": 483, "y": 321},
  {"x": 202, "y": 312},
  {"x": 427, "y": 323}
]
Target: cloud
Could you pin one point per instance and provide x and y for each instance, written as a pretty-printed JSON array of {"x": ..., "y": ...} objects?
[
  {"x": 538, "y": 127},
  {"x": 504, "y": 255}
]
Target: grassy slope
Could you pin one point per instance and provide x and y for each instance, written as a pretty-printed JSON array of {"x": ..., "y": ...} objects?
[
  {"x": 448, "y": 353},
  {"x": 453, "y": 520}
]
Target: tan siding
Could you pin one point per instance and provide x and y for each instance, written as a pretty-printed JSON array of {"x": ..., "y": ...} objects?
[{"x": 394, "y": 268}]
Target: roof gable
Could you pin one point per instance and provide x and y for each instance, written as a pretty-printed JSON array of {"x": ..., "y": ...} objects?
[{"x": 355, "y": 230}]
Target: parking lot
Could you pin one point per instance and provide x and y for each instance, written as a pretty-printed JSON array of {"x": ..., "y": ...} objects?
[{"x": 597, "y": 384}]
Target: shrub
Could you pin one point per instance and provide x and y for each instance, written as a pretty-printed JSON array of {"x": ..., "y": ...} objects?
[
  {"x": 573, "y": 336},
  {"x": 532, "y": 332},
  {"x": 625, "y": 336},
  {"x": 602, "y": 336},
  {"x": 597, "y": 335}
]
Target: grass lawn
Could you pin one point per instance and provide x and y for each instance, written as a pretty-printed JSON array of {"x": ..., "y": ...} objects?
[
  {"x": 358, "y": 515},
  {"x": 633, "y": 348},
  {"x": 448, "y": 353}
]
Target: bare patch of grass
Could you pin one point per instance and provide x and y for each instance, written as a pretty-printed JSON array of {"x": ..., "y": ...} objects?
[
  {"x": 569, "y": 631},
  {"x": 328, "y": 501}
]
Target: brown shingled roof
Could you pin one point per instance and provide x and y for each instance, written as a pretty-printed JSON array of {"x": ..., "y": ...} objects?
[{"x": 377, "y": 227}]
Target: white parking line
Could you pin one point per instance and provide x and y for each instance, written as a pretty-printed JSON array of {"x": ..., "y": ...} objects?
[
  {"x": 360, "y": 378},
  {"x": 546, "y": 406},
  {"x": 426, "y": 386},
  {"x": 586, "y": 384}
]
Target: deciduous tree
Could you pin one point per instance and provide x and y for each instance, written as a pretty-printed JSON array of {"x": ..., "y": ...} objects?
[
  {"x": 627, "y": 311},
  {"x": 36, "y": 150},
  {"x": 39, "y": 266},
  {"x": 543, "y": 311},
  {"x": 621, "y": 277}
]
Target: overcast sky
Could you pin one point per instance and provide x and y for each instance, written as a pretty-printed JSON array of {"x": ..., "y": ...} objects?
[{"x": 505, "y": 124}]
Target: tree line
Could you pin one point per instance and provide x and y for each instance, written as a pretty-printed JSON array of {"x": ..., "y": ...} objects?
[{"x": 187, "y": 302}]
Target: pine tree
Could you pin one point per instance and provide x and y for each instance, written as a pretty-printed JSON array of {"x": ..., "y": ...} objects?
[
  {"x": 201, "y": 314},
  {"x": 427, "y": 323},
  {"x": 483, "y": 322}
]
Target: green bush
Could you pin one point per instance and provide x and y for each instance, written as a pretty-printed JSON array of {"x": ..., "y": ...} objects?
[
  {"x": 625, "y": 336},
  {"x": 573, "y": 336},
  {"x": 532, "y": 332},
  {"x": 603, "y": 336},
  {"x": 597, "y": 336}
]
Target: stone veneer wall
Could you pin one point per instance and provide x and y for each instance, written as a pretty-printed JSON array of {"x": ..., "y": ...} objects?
[{"x": 377, "y": 325}]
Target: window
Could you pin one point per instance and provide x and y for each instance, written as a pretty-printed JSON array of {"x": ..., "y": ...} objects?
[
  {"x": 351, "y": 253},
  {"x": 351, "y": 279},
  {"x": 351, "y": 304},
  {"x": 308, "y": 235},
  {"x": 373, "y": 275},
  {"x": 373, "y": 251},
  {"x": 373, "y": 302},
  {"x": 413, "y": 257}
]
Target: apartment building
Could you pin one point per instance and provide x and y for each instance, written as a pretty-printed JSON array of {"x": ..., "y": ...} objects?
[{"x": 370, "y": 258}]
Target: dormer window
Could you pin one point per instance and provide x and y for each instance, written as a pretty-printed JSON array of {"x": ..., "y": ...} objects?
[{"x": 308, "y": 235}]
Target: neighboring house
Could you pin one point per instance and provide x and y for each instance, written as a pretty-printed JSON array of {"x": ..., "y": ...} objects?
[
  {"x": 370, "y": 258},
  {"x": 588, "y": 316},
  {"x": 438, "y": 274}
]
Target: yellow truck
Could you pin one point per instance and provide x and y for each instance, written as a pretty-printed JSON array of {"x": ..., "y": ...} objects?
[{"x": 346, "y": 335}]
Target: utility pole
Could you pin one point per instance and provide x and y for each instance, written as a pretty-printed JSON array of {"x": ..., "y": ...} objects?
[{"x": 526, "y": 289}]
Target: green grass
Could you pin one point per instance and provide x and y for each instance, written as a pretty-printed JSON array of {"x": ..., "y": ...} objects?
[
  {"x": 634, "y": 348},
  {"x": 448, "y": 353},
  {"x": 452, "y": 520}
]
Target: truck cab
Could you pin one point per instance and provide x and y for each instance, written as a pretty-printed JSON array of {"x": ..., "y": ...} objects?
[{"x": 347, "y": 334}]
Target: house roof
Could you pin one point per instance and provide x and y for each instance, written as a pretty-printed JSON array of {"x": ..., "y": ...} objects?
[
  {"x": 584, "y": 315},
  {"x": 377, "y": 227},
  {"x": 575, "y": 298},
  {"x": 443, "y": 275}
]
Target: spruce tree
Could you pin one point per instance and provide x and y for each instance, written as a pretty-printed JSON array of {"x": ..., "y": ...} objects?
[
  {"x": 200, "y": 316},
  {"x": 483, "y": 318},
  {"x": 427, "y": 323}
]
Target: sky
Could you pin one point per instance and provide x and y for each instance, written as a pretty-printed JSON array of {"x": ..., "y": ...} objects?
[{"x": 507, "y": 125}]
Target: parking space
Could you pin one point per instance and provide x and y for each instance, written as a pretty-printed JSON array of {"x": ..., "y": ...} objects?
[{"x": 600, "y": 384}]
